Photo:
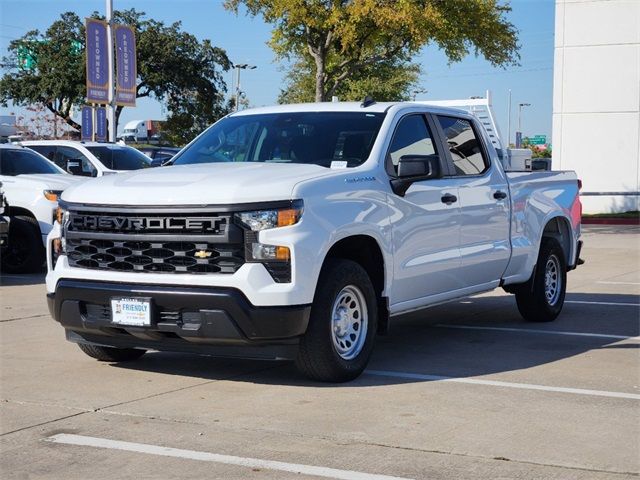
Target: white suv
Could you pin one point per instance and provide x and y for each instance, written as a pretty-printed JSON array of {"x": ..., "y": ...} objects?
[{"x": 89, "y": 159}]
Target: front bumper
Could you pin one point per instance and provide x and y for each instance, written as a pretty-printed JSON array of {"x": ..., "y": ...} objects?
[
  {"x": 4, "y": 231},
  {"x": 216, "y": 321}
]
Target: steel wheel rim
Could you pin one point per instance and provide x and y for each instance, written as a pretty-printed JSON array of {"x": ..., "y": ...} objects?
[
  {"x": 552, "y": 280},
  {"x": 349, "y": 322}
]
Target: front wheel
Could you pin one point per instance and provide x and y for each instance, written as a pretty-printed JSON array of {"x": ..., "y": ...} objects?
[
  {"x": 111, "y": 354},
  {"x": 342, "y": 325},
  {"x": 25, "y": 253},
  {"x": 541, "y": 298}
]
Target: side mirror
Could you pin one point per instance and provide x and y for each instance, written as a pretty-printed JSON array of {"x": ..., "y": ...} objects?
[{"x": 415, "y": 168}]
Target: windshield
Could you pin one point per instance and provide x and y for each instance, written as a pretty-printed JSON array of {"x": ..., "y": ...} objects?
[
  {"x": 24, "y": 161},
  {"x": 319, "y": 138},
  {"x": 120, "y": 158}
]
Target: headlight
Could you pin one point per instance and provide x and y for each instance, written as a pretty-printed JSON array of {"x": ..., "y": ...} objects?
[
  {"x": 62, "y": 217},
  {"x": 275, "y": 258},
  {"x": 265, "y": 219},
  {"x": 52, "y": 195}
]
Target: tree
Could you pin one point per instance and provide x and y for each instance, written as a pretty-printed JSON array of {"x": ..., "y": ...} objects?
[
  {"x": 389, "y": 80},
  {"x": 345, "y": 37},
  {"x": 184, "y": 74}
]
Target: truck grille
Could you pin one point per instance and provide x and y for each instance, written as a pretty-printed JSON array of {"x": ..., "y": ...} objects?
[{"x": 154, "y": 242}]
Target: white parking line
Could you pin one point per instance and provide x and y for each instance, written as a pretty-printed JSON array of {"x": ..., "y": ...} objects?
[
  {"x": 496, "y": 383},
  {"x": 82, "y": 440},
  {"x": 620, "y": 304},
  {"x": 545, "y": 332},
  {"x": 603, "y": 282}
]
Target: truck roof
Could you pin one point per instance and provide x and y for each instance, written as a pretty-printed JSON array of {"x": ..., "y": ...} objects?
[{"x": 377, "y": 107}]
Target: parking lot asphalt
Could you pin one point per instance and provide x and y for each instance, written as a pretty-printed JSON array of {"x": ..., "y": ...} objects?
[{"x": 464, "y": 390}]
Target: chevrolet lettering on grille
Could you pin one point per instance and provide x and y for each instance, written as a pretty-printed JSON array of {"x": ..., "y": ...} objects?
[{"x": 140, "y": 224}]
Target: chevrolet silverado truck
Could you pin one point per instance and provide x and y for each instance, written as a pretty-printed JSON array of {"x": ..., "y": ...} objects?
[
  {"x": 31, "y": 185},
  {"x": 299, "y": 231}
]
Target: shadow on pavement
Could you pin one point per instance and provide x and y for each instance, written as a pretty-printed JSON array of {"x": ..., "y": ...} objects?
[
  {"x": 9, "y": 279},
  {"x": 421, "y": 343}
]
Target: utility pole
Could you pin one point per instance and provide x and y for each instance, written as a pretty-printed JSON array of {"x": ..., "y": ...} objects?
[
  {"x": 241, "y": 66},
  {"x": 111, "y": 107},
  {"x": 509, "y": 122},
  {"x": 519, "y": 132}
]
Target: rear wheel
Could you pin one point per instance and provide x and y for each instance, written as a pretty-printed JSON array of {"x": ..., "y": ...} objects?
[
  {"x": 342, "y": 325},
  {"x": 541, "y": 298},
  {"x": 25, "y": 252},
  {"x": 111, "y": 354}
]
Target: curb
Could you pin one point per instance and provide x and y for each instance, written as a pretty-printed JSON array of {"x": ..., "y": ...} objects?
[{"x": 610, "y": 221}]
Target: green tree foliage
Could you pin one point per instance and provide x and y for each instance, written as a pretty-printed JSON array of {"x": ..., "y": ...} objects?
[
  {"x": 345, "y": 37},
  {"x": 184, "y": 74},
  {"x": 389, "y": 80}
]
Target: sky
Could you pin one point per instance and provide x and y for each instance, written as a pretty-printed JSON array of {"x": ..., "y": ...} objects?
[{"x": 244, "y": 39}]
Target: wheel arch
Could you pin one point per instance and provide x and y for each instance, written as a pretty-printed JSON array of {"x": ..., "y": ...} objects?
[
  {"x": 366, "y": 251},
  {"x": 559, "y": 227},
  {"x": 12, "y": 211}
]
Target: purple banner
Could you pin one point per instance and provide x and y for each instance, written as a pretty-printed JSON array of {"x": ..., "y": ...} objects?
[
  {"x": 101, "y": 124},
  {"x": 97, "y": 61},
  {"x": 87, "y": 124},
  {"x": 126, "y": 75}
]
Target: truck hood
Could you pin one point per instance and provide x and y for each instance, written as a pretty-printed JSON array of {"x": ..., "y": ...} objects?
[
  {"x": 47, "y": 181},
  {"x": 199, "y": 184}
]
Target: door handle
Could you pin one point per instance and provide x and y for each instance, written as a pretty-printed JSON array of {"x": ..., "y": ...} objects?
[
  {"x": 499, "y": 195},
  {"x": 449, "y": 199}
]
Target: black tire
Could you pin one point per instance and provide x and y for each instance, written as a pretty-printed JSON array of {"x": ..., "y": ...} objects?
[
  {"x": 318, "y": 357},
  {"x": 538, "y": 302},
  {"x": 25, "y": 252},
  {"x": 111, "y": 354}
]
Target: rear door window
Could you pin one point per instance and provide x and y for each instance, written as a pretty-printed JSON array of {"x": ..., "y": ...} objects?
[{"x": 464, "y": 146}]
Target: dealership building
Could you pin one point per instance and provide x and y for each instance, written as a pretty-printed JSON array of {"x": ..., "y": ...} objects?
[{"x": 596, "y": 100}]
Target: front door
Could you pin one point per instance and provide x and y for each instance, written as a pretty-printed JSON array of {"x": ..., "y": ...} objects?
[{"x": 425, "y": 224}]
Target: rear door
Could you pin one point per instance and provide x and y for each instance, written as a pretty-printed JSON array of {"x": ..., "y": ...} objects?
[
  {"x": 483, "y": 201},
  {"x": 425, "y": 225}
]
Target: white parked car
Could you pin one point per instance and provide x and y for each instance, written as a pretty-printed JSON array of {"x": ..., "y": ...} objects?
[
  {"x": 300, "y": 231},
  {"x": 90, "y": 159},
  {"x": 31, "y": 185}
]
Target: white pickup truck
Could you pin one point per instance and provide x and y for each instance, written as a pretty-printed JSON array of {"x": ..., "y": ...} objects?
[
  {"x": 32, "y": 185},
  {"x": 299, "y": 231}
]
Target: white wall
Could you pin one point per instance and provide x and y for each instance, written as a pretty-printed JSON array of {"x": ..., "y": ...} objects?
[{"x": 596, "y": 99}]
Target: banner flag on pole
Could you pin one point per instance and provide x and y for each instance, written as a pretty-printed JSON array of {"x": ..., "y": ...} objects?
[
  {"x": 101, "y": 124},
  {"x": 97, "y": 61},
  {"x": 126, "y": 67},
  {"x": 87, "y": 124}
]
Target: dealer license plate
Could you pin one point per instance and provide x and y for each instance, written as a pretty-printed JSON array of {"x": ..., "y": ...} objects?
[{"x": 131, "y": 311}]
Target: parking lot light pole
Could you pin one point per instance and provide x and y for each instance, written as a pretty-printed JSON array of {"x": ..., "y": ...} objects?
[
  {"x": 519, "y": 132},
  {"x": 111, "y": 108},
  {"x": 238, "y": 67}
]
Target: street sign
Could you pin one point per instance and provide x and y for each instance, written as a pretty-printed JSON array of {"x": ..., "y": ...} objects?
[
  {"x": 97, "y": 61},
  {"x": 535, "y": 140},
  {"x": 125, "y": 65}
]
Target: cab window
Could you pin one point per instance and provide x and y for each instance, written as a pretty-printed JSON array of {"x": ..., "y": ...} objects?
[
  {"x": 412, "y": 137},
  {"x": 464, "y": 146},
  {"x": 24, "y": 162},
  {"x": 74, "y": 162}
]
